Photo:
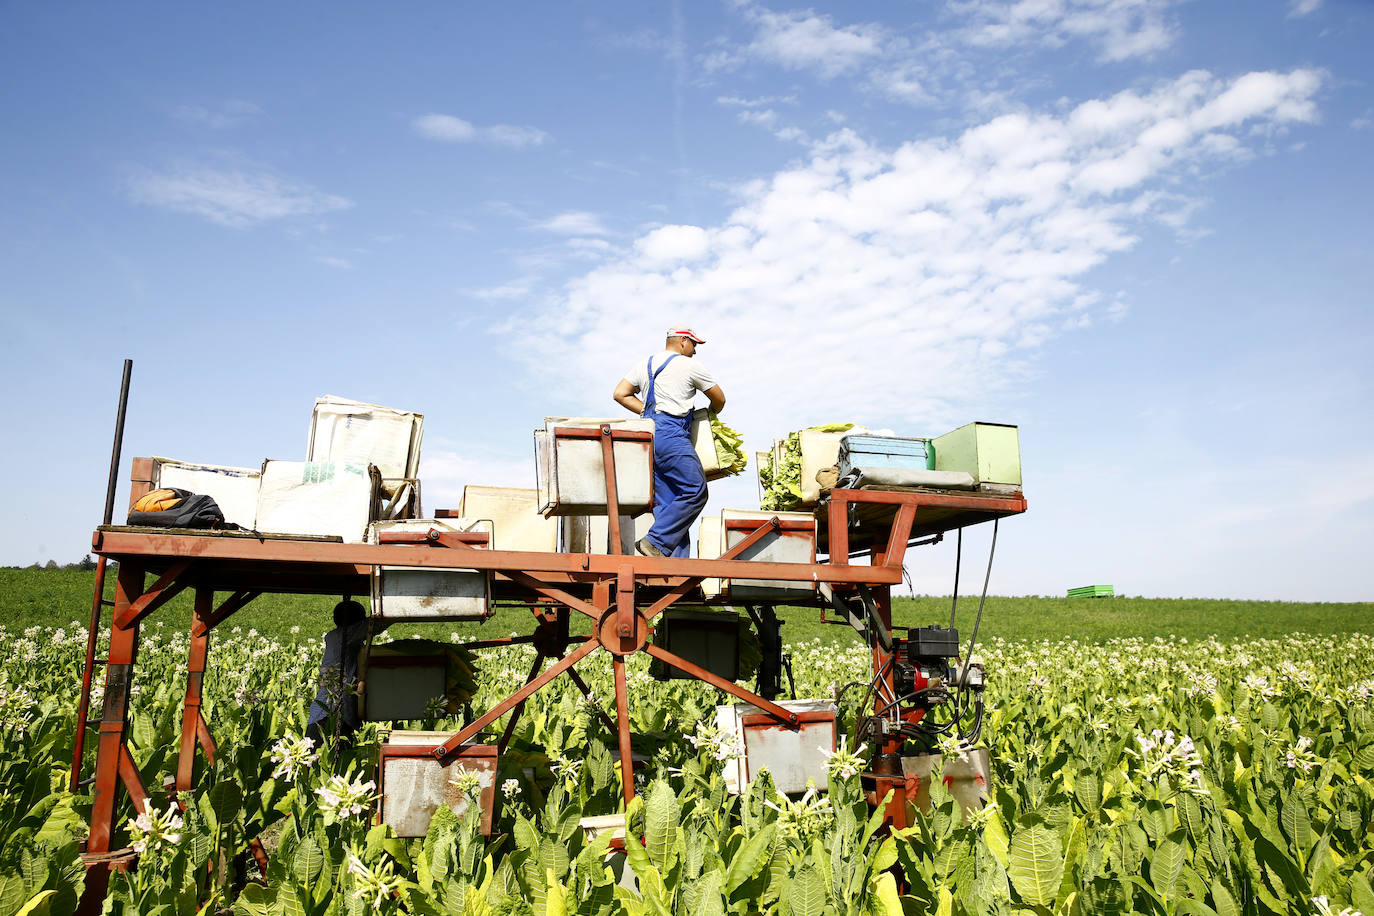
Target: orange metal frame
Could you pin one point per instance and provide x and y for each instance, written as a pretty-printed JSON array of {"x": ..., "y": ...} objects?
[{"x": 622, "y": 595}]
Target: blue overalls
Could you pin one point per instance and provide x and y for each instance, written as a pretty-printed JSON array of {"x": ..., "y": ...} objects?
[{"x": 679, "y": 482}]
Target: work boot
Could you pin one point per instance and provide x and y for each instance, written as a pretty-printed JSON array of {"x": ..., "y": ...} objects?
[{"x": 645, "y": 548}]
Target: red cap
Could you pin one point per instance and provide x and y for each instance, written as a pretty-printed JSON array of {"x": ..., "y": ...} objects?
[{"x": 682, "y": 330}]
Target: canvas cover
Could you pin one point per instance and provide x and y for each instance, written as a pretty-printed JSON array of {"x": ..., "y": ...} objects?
[
  {"x": 347, "y": 430},
  {"x": 514, "y": 513},
  {"x": 318, "y": 498}
]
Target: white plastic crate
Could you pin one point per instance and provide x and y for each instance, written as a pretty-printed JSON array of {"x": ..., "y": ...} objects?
[
  {"x": 572, "y": 472},
  {"x": 784, "y": 546},
  {"x": 316, "y": 498},
  {"x": 347, "y": 430},
  {"x": 514, "y": 512},
  {"x": 416, "y": 593},
  {"x": 792, "y": 757}
]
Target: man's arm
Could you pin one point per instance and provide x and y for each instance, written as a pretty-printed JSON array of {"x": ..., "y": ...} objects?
[
  {"x": 715, "y": 396},
  {"x": 625, "y": 396}
]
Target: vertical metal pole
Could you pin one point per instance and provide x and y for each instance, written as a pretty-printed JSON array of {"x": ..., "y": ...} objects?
[
  {"x": 622, "y": 713},
  {"x": 83, "y": 707},
  {"x": 612, "y": 497},
  {"x": 118, "y": 441}
]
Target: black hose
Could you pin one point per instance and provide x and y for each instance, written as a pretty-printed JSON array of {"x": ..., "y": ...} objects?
[
  {"x": 958, "y": 561},
  {"x": 968, "y": 657}
]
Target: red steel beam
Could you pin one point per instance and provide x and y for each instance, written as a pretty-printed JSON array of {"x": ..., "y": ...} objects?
[
  {"x": 167, "y": 587},
  {"x": 138, "y": 544},
  {"x": 680, "y": 590},
  {"x": 519, "y": 707},
  {"x": 899, "y": 535},
  {"x": 114, "y": 720},
  {"x": 83, "y": 708},
  {"x": 230, "y": 606},
  {"x": 195, "y": 677},
  {"x": 556, "y": 594},
  {"x": 625, "y": 602},
  {"x": 132, "y": 779},
  {"x": 622, "y": 715},
  {"x": 773, "y": 709},
  {"x": 596, "y": 432},
  {"x": 524, "y": 693},
  {"x": 612, "y": 493}
]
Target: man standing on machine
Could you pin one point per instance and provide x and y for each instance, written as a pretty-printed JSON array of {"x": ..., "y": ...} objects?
[{"x": 669, "y": 382}]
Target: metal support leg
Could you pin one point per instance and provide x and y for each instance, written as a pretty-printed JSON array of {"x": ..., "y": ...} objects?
[
  {"x": 193, "y": 726},
  {"x": 622, "y": 714},
  {"x": 112, "y": 762}
]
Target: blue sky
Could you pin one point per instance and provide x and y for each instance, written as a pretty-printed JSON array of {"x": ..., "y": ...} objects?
[{"x": 1137, "y": 228}]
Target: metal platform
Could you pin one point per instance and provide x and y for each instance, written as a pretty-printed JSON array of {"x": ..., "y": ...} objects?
[{"x": 621, "y": 595}]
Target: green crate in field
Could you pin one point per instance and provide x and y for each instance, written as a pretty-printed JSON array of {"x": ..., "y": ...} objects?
[{"x": 1092, "y": 591}]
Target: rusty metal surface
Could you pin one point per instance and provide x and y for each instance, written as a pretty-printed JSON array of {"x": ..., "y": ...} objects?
[
  {"x": 620, "y": 593},
  {"x": 304, "y": 554},
  {"x": 420, "y": 594},
  {"x": 793, "y": 755},
  {"x": 414, "y": 784},
  {"x": 968, "y": 778}
]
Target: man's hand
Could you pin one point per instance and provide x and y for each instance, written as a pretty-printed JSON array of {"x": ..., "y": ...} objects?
[
  {"x": 715, "y": 396},
  {"x": 624, "y": 395}
]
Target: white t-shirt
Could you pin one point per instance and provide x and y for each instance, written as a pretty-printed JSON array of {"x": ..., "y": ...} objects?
[{"x": 677, "y": 385}]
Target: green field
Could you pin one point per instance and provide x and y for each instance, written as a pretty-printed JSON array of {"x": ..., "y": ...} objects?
[{"x": 56, "y": 597}]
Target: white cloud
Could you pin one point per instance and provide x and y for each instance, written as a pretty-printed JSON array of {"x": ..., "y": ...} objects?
[
  {"x": 221, "y": 117},
  {"x": 1300, "y": 8},
  {"x": 574, "y": 222},
  {"x": 804, "y": 40},
  {"x": 449, "y": 129},
  {"x": 337, "y": 263},
  {"x": 670, "y": 244},
  {"x": 1121, "y": 29},
  {"x": 232, "y": 197},
  {"x": 735, "y": 101},
  {"x": 892, "y": 285}
]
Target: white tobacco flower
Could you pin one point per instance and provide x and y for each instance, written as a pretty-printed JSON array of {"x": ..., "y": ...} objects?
[
  {"x": 714, "y": 742},
  {"x": 467, "y": 782},
  {"x": 844, "y": 763},
  {"x": 341, "y": 799},
  {"x": 1323, "y": 907},
  {"x": 151, "y": 831},
  {"x": 1173, "y": 756},
  {"x": 375, "y": 885},
  {"x": 293, "y": 755},
  {"x": 1258, "y": 683},
  {"x": 804, "y": 816},
  {"x": 952, "y": 747},
  {"x": 569, "y": 771},
  {"x": 510, "y": 788},
  {"x": 1300, "y": 757}
]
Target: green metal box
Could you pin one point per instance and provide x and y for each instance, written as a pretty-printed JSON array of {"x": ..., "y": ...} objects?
[{"x": 991, "y": 452}]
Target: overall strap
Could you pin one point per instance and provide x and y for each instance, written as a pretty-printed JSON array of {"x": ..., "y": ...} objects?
[{"x": 651, "y": 402}]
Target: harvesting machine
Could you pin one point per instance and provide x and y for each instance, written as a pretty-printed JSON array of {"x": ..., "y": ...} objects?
[{"x": 922, "y": 685}]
